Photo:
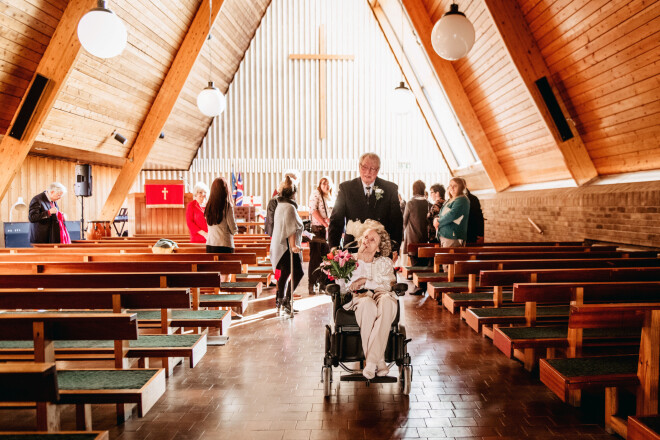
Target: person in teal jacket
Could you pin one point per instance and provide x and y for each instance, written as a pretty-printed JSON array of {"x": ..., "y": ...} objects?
[{"x": 452, "y": 221}]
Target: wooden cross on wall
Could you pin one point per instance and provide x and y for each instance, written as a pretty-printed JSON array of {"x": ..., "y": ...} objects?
[{"x": 322, "y": 57}]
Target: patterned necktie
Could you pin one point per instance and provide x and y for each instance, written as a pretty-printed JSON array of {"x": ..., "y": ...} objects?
[{"x": 368, "y": 192}]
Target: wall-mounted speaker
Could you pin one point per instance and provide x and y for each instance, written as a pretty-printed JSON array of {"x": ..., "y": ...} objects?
[
  {"x": 553, "y": 107},
  {"x": 83, "y": 185},
  {"x": 29, "y": 105}
]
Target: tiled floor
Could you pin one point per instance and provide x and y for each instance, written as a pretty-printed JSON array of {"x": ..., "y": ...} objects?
[{"x": 265, "y": 384}]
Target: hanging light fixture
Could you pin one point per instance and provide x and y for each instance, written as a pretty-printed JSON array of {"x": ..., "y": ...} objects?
[
  {"x": 403, "y": 97},
  {"x": 210, "y": 101},
  {"x": 453, "y": 35},
  {"x": 101, "y": 32}
]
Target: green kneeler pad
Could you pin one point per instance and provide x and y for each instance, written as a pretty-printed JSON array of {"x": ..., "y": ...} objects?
[
  {"x": 239, "y": 284},
  {"x": 103, "y": 379},
  {"x": 519, "y": 311},
  {"x": 477, "y": 296},
  {"x": 182, "y": 314},
  {"x": 562, "y": 332},
  {"x": 595, "y": 366},
  {"x": 413, "y": 268},
  {"x": 440, "y": 284},
  {"x": 221, "y": 298},
  {"x": 143, "y": 341}
]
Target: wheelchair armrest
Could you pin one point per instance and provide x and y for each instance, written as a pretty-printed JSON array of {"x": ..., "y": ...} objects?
[
  {"x": 332, "y": 289},
  {"x": 400, "y": 289}
]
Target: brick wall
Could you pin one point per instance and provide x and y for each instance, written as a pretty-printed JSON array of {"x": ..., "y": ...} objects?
[{"x": 622, "y": 213}]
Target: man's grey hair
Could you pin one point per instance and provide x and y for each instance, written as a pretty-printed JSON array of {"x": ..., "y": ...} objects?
[
  {"x": 372, "y": 156},
  {"x": 201, "y": 186},
  {"x": 56, "y": 187}
]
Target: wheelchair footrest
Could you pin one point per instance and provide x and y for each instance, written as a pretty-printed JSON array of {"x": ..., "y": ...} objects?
[{"x": 358, "y": 377}]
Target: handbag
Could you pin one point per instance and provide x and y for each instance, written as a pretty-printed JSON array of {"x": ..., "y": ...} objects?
[{"x": 164, "y": 246}]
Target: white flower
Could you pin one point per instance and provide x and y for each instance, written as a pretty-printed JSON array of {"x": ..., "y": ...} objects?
[{"x": 378, "y": 192}]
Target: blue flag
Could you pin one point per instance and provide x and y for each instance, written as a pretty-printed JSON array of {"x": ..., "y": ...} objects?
[{"x": 238, "y": 195}]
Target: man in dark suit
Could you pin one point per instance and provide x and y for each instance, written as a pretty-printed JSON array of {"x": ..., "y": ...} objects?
[
  {"x": 367, "y": 197},
  {"x": 42, "y": 213}
]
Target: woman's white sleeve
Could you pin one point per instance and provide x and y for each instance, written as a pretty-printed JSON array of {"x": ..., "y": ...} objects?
[{"x": 383, "y": 275}]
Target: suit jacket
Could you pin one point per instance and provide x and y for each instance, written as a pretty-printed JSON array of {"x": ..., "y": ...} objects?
[
  {"x": 415, "y": 222},
  {"x": 352, "y": 204},
  {"x": 44, "y": 228}
]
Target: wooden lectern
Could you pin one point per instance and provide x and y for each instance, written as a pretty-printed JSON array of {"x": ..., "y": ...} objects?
[{"x": 160, "y": 221}]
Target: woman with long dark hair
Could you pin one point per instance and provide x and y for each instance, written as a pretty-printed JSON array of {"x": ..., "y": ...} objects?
[
  {"x": 220, "y": 219},
  {"x": 320, "y": 208}
]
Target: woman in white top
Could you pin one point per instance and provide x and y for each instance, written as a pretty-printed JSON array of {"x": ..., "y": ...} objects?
[
  {"x": 320, "y": 208},
  {"x": 373, "y": 301},
  {"x": 219, "y": 214}
]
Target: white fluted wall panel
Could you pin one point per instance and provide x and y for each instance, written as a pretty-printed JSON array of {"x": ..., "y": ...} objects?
[{"x": 271, "y": 122}]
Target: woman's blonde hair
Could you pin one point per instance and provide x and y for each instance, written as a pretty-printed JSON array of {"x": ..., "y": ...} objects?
[
  {"x": 461, "y": 182},
  {"x": 358, "y": 229}
]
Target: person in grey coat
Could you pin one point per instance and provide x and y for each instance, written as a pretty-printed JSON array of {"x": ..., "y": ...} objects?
[{"x": 415, "y": 223}]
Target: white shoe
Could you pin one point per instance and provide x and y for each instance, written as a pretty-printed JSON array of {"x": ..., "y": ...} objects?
[
  {"x": 383, "y": 369},
  {"x": 369, "y": 371}
]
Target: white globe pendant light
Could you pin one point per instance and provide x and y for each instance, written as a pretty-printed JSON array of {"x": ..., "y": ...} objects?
[
  {"x": 101, "y": 32},
  {"x": 403, "y": 99},
  {"x": 453, "y": 35},
  {"x": 210, "y": 101}
]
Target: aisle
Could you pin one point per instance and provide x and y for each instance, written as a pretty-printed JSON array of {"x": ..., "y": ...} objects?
[{"x": 265, "y": 384}]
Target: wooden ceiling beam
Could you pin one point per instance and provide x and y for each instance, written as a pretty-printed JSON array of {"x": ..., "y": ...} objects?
[
  {"x": 457, "y": 96},
  {"x": 525, "y": 54},
  {"x": 56, "y": 64},
  {"x": 415, "y": 86},
  {"x": 162, "y": 106}
]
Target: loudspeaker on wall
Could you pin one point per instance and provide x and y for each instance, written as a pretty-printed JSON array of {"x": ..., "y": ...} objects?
[
  {"x": 553, "y": 107},
  {"x": 29, "y": 106},
  {"x": 83, "y": 185}
]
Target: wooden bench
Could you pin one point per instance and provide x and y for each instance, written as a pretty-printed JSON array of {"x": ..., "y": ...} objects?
[
  {"x": 644, "y": 428},
  {"x": 164, "y": 345},
  {"x": 525, "y": 342},
  {"x": 82, "y": 387},
  {"x": 611, "y": 373},
  {"x": 478, "y": 319}
]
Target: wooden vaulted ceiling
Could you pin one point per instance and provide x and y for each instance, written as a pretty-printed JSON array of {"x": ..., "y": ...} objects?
[
  {"x": 602, "y": 57},
  {"x": 101, "y": 96}
]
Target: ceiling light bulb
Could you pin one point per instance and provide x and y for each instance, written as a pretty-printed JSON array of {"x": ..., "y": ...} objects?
[
  {"x": 101, "y": 32},
  {"x": 210, "y": 101},
  {"x": 453, "y": 35},
  {"x": 403, "y": 99}
]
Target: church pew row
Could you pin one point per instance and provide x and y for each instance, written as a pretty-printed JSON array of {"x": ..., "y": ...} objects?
[
  {"x": 413, "y": 248},
  {"x": 37, "y": 382},
  {"x": 567, "y": 377},
  {"x": 482, "y": 319},
  {"x": 219, "y": 319},
  {"x": 164, "y": 345},
  {"x": 526, "y": 343},
  {"x": 83, "y": 387},
  {"x": 260, "y": 251}
]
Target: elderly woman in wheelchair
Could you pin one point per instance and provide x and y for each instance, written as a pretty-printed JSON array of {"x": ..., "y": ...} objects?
[{"x": 367, "y": 303}]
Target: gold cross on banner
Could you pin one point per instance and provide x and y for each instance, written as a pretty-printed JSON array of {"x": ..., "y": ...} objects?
[
  {"x": 164, "y": 191},
  {"x": 322, "y": 57}
]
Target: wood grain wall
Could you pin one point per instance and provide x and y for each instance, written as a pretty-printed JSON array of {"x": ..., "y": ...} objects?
[{"x": 35, "y": 175}]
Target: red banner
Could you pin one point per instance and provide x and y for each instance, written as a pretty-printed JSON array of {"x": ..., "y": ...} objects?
[{"x": 164, "y": 193}]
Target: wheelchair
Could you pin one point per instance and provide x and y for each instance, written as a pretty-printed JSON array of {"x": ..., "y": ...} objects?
[{"x": 343, "y": 344}]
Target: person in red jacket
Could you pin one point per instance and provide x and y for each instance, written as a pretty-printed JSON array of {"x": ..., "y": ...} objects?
[{"x": 195, "y": 214}]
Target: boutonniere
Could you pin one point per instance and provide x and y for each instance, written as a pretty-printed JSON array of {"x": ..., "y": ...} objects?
[{"x": 378, "y": 192}]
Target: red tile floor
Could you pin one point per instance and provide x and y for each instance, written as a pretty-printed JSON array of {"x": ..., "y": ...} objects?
[{"x": 265, "y": 384}]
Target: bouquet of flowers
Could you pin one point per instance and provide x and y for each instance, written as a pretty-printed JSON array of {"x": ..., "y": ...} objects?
[{"x": 338, "y": 265}]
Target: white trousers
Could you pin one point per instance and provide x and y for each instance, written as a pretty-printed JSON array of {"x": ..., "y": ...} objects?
[{"x": 375, "y": 316}]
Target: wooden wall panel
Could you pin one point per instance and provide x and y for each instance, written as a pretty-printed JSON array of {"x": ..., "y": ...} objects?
[
  {"x": 35, "y": 175},
  {"x": 143, "y": 220},
  {"x": 522, "y": 144},
  {"x": 604, "y": 55}
]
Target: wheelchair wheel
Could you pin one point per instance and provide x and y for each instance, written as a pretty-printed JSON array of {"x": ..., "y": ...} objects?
[
  {"x": 405, "y": 378},
  {"x": 326, "y": 375}
]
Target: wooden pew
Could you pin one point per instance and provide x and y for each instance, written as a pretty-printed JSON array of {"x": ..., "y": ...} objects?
[
  {"x": 165, "y": 345},
  {"x": 80, "y": 387},
  {"x": 260, "y": 251},
  {"x": 413, "y": 248},
  {"x": 525, "y": 342},
  {"x": 644, "y": 428},
  {"x": 479, "y": 318},
  {"x": 611, "y": 373}
]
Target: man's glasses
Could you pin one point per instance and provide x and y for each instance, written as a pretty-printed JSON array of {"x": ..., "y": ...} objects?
[{"x": 366, "y": 168}]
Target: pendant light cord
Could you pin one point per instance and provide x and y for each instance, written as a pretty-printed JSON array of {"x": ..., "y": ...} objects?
[{"x": 209, "y": 39}]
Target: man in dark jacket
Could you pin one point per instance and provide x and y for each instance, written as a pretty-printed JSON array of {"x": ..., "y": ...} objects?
[
  {"x": 367, "y": 197},
  {"x": 42, "y": 214}
]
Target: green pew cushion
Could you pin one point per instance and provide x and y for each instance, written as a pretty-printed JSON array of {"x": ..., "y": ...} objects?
[
  {"x": 595, "y": 366},
  {"x": 562, "y": 332},
  {"x": 103, "y": 379},
  {"x": 457, "y": 296},
  {"x": 143, "y": 341},
  {"x": 182, "y": 314},
  {"x": 441, "y": 284},
  {"x": 414, "y": 268},
  {"x": 240, "y": 284},
  {"x": 433, "y": 274},
  {"x": 520, "y": 311},
  {"x": 221, "y": 298},
  {"x": 51, "y": 436}
]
